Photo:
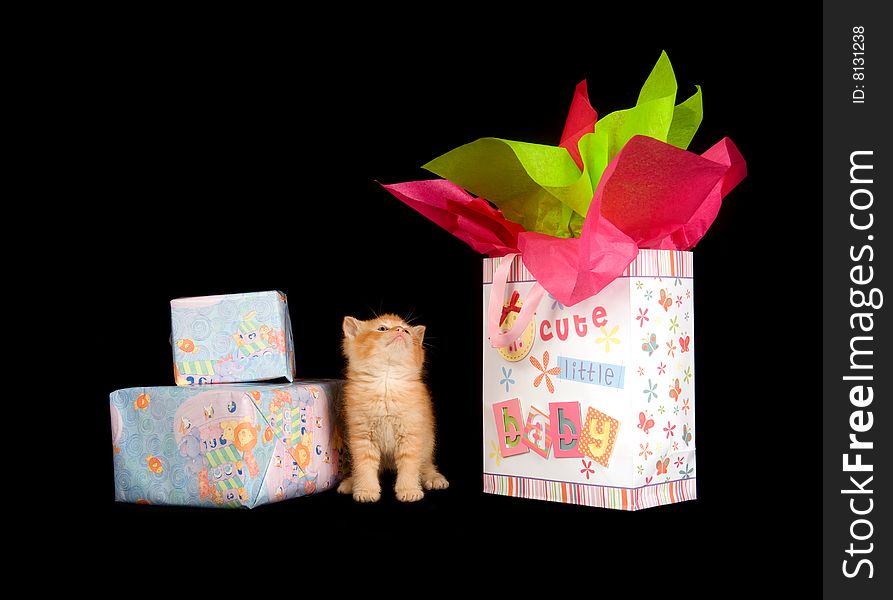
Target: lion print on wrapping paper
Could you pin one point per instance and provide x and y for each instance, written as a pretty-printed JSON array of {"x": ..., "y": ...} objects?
[
  {"x": 301, "y": 455},
  {"x": 245, "y": 439}
]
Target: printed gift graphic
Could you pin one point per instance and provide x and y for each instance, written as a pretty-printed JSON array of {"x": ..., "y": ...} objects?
[
  {"x": 227, "y": 446},
  {"x": 588, "y": 304},
  {"x": 232, "y": 338}
]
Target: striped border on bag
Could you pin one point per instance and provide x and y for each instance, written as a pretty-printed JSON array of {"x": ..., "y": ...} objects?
[
  {"x": 648, "y": 263},
  {"x": 518, "y": 272},
  {"x": 592, "y": 495},
  {"x": 660, "y": 263}
]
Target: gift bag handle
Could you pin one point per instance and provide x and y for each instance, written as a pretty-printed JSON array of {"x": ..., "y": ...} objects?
[{"x": 499, "y": 338}]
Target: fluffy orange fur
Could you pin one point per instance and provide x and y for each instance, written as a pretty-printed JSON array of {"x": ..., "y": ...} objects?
[{"x": 387, "y": 410}]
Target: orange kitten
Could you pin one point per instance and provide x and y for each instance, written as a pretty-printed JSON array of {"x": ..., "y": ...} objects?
[{"x": 387, "y": 410}]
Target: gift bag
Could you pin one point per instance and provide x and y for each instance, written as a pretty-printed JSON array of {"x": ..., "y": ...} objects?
[
  {"x": 593, "y": 403},
  {"x": 588, "y": 382}
]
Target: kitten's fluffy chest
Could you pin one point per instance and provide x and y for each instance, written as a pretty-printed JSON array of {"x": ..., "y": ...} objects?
[
  {"x": 387, "y": 406},
  {"x": 389, "y": 391}
]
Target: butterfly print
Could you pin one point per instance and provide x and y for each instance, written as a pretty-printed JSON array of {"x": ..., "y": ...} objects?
[
  {"x": 676, "y": 390},
  {"x": 645, "y": 424},
  {"x": 650, "y": 344},
  {"x": 686, "y": 434}
]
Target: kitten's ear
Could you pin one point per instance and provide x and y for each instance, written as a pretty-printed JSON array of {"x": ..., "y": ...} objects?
[
  {"x": 351, "y": 327},
  {"x": 418, "y": 332}
]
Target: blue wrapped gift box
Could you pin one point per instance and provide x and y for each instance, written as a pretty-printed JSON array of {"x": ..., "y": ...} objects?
[
  {"x": 225, "y": 445},
  {"x": 232, "y": 338}
]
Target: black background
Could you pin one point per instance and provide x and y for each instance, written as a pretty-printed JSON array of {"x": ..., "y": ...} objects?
[{"x": 245, "y": 157}]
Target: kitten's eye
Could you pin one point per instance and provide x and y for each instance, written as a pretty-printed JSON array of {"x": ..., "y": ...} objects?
[{"x": 382, "y": 328}]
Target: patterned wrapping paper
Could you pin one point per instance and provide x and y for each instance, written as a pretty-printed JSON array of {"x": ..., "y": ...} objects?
[
  {"x": 227, "y": 445},
  {"x": 594, "y": 403},
  {"x": 232, "y": 338}
]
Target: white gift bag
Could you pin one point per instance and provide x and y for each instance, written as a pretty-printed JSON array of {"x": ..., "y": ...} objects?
[{"x": 591, "y": 404}]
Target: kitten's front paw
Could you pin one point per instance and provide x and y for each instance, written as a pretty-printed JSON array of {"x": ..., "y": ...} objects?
[
  {"x": 346, "y": 486},
  {"x": 409, "y": 494},
  {"x": 437, "y": 482},
  {"x": 364, "y": 495}
]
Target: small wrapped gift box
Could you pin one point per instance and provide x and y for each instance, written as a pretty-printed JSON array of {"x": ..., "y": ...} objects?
[
  {"x": 232, "y": 338},
  {"x": 228, "y": 445}
]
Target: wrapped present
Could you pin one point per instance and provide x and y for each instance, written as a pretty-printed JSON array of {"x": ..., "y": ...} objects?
[
  {"x": 232, "y": 338},
  {"x": 226, "y": 445}
]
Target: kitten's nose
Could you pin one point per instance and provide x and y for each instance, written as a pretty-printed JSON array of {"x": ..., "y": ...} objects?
[{"x": 400, "y": 329}]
